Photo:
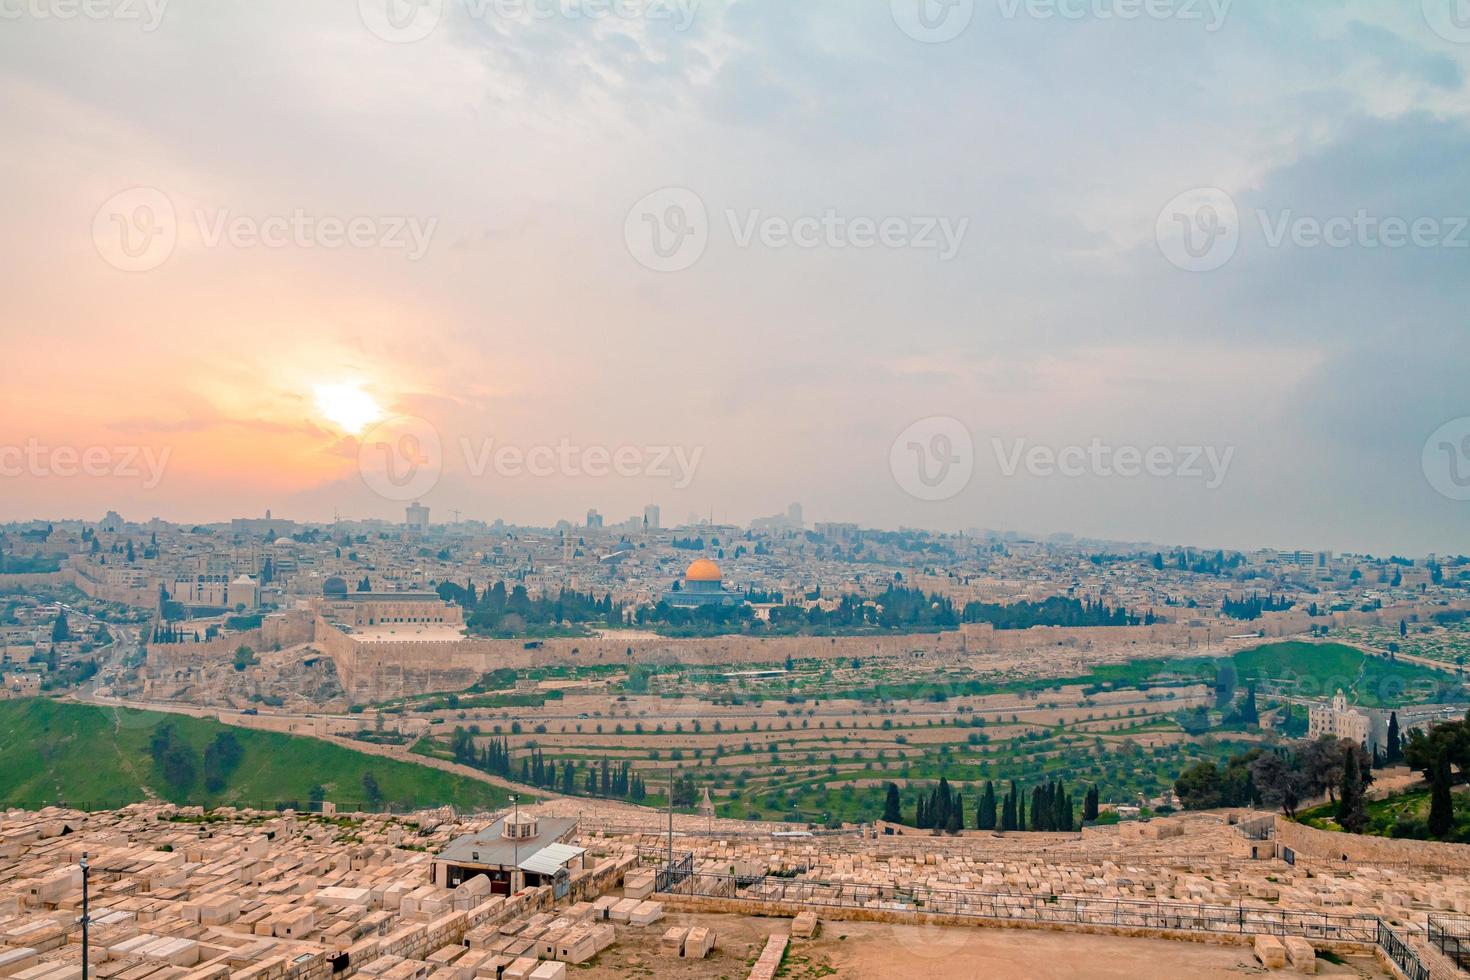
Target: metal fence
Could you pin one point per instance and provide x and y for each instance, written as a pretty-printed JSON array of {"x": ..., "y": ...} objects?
[
  {"x": 999, "y": 907},
  {"x": 1400, "y": 953},
  {"x": 1450, "y": 934},
  {"x": 675, "y": 874}
]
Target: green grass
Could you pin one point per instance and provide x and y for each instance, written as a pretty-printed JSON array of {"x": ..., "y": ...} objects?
[
  {"x": 1320, "y": 669},
  {"x": 57, "y": 752},
  {"x": 1310, "y": 670},
  {"x": 1404, "y": 815}
]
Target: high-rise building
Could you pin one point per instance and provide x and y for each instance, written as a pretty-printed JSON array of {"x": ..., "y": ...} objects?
[
  {"x": 594, "y": 519},
  {"x": 417, "y": 517},
  {"x": 651, "y": 517}
]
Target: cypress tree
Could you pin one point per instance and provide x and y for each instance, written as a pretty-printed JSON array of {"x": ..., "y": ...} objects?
[
  {"x": 1441, "y": 804},
  {"x": 985, "y": 819},
  {"x": 892, "y": 811},
  {"x": 1352, "y": 815},
  {"x": 1089, "y": 804}
]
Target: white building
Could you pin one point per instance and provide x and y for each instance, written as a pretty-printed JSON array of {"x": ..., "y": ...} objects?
[{"x": 1340, "y": 721}]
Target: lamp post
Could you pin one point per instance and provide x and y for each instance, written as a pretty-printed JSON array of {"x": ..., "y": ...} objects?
[
  {"x": 86, "y": 918},
  {"x": 515, "y": 837}
]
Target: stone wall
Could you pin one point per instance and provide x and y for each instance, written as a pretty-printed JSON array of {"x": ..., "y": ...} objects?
[
  {"x": 138, "y": 598},
  {"x": 375, "y": 670},
  {"x": 274, "y": 633},
  {"x": 1329, "y": 847}
]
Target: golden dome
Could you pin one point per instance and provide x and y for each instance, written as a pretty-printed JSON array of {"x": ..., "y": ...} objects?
[{"x": 703, "y": 570}]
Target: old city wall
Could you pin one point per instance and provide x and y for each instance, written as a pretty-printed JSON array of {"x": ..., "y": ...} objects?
[
  {"x": 375, "y": 670},
  {"x": 70, "y": 575},
  {"x": 274, "y": 633}
]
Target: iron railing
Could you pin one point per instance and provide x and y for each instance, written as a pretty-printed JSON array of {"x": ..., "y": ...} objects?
[
  {"x": 1400, "y": 953},
  {"x": 1450, "y": 934}
]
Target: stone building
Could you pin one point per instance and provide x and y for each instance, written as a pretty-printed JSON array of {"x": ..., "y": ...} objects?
[{"x": 1340, "y": 721}]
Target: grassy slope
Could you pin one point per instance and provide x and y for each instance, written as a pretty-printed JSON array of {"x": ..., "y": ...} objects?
[
  {"x": 1319, "y": 669},
  {"x": 1314, "y": 670},
  {"x": 53, "y": 751},
  {"x": 1399, "y": 815}
]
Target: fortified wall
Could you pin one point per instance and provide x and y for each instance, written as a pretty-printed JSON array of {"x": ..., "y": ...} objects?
[
  {"x": 374, "y": 670},
  {"x": 274, "y": 633}
]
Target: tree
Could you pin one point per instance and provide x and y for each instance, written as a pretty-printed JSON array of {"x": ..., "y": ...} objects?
[
  {"x": 60, "y": 630},
  {"x": 1224, "y": 685},
  {"x": 1199, "y": 787},
  {"x": 985, "y": 817},
  {"x": 221, "y": 757},
  {"x": 244, "y": 657},
  {"x": 1090, "y": 805},
  {"x": 371, "y": 788},
  {"x": 1395, "y": 752},
  {"x": 892, "y": 809},
  {"x": 1441, "y": 804},
  {"x": 1352, "y": 814},
  {"x": 1281, "y": 784},
  {"x": 1249, "y": 713}
]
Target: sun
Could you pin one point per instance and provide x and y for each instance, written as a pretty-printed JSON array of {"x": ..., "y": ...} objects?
[{"x": 347, "y": 406}]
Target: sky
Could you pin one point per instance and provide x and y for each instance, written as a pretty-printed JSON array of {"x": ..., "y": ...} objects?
[{"x": 1184, "y": 271}]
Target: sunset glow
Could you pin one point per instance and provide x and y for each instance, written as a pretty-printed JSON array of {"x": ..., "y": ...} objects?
[{"x": 347, "y": 406}]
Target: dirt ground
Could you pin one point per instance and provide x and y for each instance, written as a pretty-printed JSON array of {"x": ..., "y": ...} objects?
[{"x": 875, "y": 951}]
